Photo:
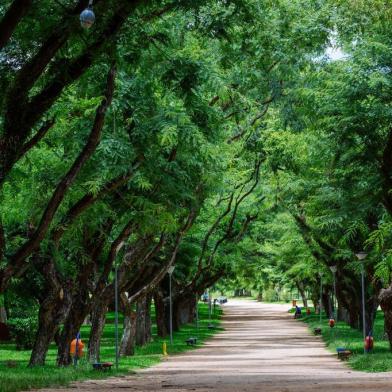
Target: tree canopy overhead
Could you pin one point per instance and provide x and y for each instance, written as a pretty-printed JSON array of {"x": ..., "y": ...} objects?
[{"x": 218, "y": 136}]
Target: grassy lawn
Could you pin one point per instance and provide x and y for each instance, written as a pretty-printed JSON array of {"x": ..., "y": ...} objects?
[
  {"x": 380, "y": 360},
  {"x": 23, "y": 378}
]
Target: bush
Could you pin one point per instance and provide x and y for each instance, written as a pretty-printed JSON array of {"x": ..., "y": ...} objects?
[
  {"x": 23, "y": 331},
  {"x": 270, "y": 295}
]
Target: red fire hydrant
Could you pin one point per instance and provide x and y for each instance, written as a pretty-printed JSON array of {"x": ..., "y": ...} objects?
[
  {"x": 331, "y": 323},
  {"x": 369, "y": 342}
]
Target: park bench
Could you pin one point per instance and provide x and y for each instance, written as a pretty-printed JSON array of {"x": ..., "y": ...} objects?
[
  {"x": 102, "y": 366},
  {"x": 191, "y": 341},
  {"x": 317, "y": 331},
  {"x": 343, "y": 353}
]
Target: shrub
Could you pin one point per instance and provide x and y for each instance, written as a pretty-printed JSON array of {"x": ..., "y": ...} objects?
[{"x": 23, "y": 330}]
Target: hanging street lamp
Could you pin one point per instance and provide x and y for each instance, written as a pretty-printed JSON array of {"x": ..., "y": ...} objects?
[
  {"x": 361, "y": 256},
  {"x": 87, "y": 17}
]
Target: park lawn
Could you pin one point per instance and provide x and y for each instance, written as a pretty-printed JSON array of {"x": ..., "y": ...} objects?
[
  {"x": 23, "y": 378},
  {"x": 380, "y": 360}
]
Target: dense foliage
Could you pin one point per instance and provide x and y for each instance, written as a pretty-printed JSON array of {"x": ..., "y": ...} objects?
[{"x": 244, "y": 141}]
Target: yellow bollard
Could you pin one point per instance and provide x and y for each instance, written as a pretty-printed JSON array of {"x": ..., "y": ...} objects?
[{"x": 164, "y": 349}]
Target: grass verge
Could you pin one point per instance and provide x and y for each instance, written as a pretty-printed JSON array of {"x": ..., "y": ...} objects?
[
  {"x": 380, "y": 360},
  {"x": 21, "y": 378}
]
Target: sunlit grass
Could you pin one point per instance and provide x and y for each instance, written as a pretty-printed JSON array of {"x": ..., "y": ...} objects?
[
  {"x": 380, "y": 360},
  {"x": 23, "y": 378}
]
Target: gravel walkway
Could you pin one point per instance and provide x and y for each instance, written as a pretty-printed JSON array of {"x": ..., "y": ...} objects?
[{"x": 262, "y": 349}]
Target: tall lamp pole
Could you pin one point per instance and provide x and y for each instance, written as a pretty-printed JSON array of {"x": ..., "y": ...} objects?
[
  {"x": 361, "y": 256},
  {"x": 333, "y": 269},
  {"x": 170, "y": 272},
  {"x": 321, "y": 294},
  {"x": 116, "y": 311}
]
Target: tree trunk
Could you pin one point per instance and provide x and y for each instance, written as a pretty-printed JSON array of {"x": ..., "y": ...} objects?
[
  {"x": 184, "y": 310},
  {"x": 371, "y": 312},
  {"x": 327, "y": 303},
  {"x": 128, "y": 340},
  {"x": 52, "y": 313},
  {"x": 161, "y": 314},
  {"x": 315, "y": 299},
  {"x": 72, "y": 324},
  {"x": 343, "y": 314},
  {"x": 143, "y": 320},
  {"x": 386, "y": 306},
  {"x": 98, "y": 318},
  {"x": 301, "y": 289},
  {"x": 3, "y": 315}
]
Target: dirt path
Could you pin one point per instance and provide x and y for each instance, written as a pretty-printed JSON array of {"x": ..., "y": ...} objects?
[{"x": 262, "y": 349}]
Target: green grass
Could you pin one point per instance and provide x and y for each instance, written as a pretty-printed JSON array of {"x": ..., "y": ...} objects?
[
  {"x": 23, "y": 378},
  {"x": 380, "y": 360}
]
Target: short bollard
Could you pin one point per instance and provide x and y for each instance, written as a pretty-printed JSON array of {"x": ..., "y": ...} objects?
[
  {"x": 369, "y": 343},
  {"x": 164, "y": 349}
]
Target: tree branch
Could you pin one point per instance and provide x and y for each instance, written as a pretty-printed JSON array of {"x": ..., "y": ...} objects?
[
  {"x": 89, "y": 199},
  {"x": 11, "y": 19},
  {"x": 36, "y": 138},
  {"x": 58, "y": 195}
]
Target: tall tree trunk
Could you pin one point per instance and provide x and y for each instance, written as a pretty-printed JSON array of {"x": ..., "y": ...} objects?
[
  {"x": 51, "y": 314},
  {"x": 3, "y": 315},
  {"x": 327, "y": 303},
  {"x": 301, "y": 289},
  {"x": 386, "y": 306},
  {"x": 72, "y": 324},
  {"x": 184, "y": 310},
  {"x": 161, "y": 314},
  {"x": 143, "y": 320},
  {"x": 128, "y": 340},
  {"x": 98, "y": 318},
  {"x": 371, "y": 311}
]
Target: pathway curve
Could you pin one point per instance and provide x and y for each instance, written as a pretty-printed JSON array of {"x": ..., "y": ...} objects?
[{"x": 261, "y": 349}]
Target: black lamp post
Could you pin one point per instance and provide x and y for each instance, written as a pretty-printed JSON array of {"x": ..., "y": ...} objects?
[
  {"x": 361, "y": 256},
  {"x": 333, "y": 269},
  {"x": 321, "y": 294},
  {"x": 170, "y": 272}
]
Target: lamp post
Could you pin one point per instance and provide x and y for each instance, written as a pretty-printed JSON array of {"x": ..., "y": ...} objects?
[
  {"x": 321, "y": 294},
  {"x": 197, "y": 312},
  {"x": 170, "y": 272},
  {"x": 209, "y": 308},
  {"x": 333, "y": 269},
  {"x": 361, "y": 256},
  {"x": 116, "y": 311}
]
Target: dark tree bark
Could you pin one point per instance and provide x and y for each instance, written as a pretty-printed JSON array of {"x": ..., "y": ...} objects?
[
  {"x": 17, "y": 260},
  {"x": 301, "y": 289},
  {"x": 128, "y": 340},
  {"x": 76, "y": 315},
  {"x": 161, "y": 313},
  {"x": 386, "y": 306},
  {"x": 98, "y": 318},
  {"x": 22, "y": 111},
  {"x": 143, "y": 320},
  {"x": 184, "y": 310},
  {"x": 52, "y": 312},
  {"x": 53, "y": 309},
  {"x": 12, "y": 17},
  {"x": 41, "y": 133}
]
